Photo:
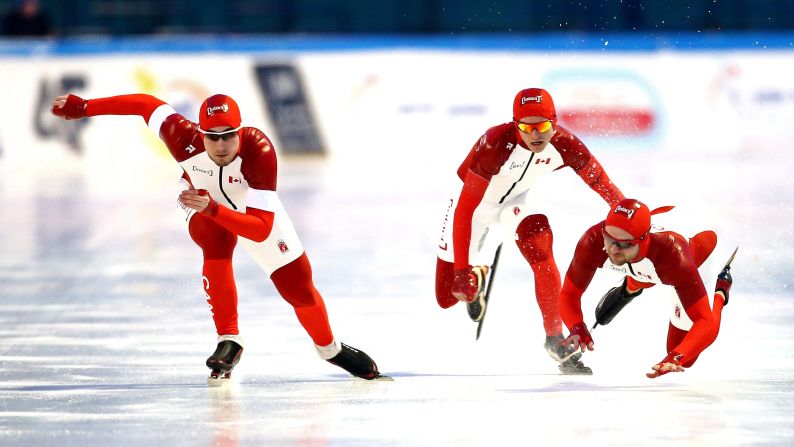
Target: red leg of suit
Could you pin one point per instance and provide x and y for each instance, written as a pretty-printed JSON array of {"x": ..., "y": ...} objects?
[
  {"x": 294, "y": 282},
  {"x": 217, "y": 244},
  {"x": 445, "y": 273},
  {"x": 701, "y": 244},
  {"x": 535, "y": 241}
]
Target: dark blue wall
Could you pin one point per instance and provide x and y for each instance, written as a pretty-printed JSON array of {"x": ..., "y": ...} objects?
[{"x": 121, "y": 17}]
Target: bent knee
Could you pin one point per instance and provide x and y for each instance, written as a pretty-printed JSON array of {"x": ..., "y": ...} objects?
[
  {"x": 215, "y": 241},
  {"x": 294, "y": 283},
  {"x": 534, "y": 238}
]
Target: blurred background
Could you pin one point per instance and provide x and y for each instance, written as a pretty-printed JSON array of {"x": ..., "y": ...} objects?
[{"x": 372, "y": 106}]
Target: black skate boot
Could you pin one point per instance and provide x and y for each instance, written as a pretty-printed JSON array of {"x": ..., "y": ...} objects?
[
  {"x": 476, "y": 308},
  {"x": 567, "y": 357},
  {"x": 223, "y": 360},
  {"x": 574, "y": 367},
  {"x": 724, "y": 279},
  {"x": 356, "y": 362}
]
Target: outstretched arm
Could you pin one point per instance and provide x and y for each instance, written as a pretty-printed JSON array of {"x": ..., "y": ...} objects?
[
  {"x": 471, "y": 195},
  {"x": 596, "y": 178},
  {"x": 74, "y": 107},
  {"x": 700, "y": 336},
  {"x": 589, "y": 255},
  {"x": 466, "y": 284},
  {"x": 571, "y": 307},
  {"x": 576, "y": 155}
]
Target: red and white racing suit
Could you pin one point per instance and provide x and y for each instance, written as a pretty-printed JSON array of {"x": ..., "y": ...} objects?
[
  {"x": 667, "y": 258},
  {"x": 492, "y": 206},
  {"x": 249, "y": 207}
]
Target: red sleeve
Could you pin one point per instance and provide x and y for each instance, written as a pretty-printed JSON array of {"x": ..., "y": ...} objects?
[
  {"x": 254, "y": 224},
  {"x": 676, "y": 267},
  {"x": 137, "y": 104},
  {"x": 576, "y": 155},
  {"x": 260, "y": 166},
  {"x": 471, "y": 195},
  {"x": 586, "y": 259},
  {"x": 571, "y": 302},
  {"x": 490, "y": 152}
]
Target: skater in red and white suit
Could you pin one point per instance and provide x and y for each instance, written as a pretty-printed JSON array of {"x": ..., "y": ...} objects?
[
  {"x": 229, "y": 182},
  {"x": 623, "y": 242},
  {"x": 492, "y": 206}
]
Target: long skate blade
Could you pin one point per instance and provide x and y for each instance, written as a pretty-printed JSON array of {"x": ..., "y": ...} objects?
[
  {"x": 211, "y": 382},
  {"x": 380, "y": 378},
  {"x": 220, "y": 380},
  {"x": 728, "y": 264},
  {"x": 576, "y": 371},
  {"x": 491, "y": 275}
]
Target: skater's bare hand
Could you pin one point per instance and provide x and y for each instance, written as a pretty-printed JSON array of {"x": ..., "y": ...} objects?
[
  {"x": 671, "y": 363},
  {"x": 59, "y": 102},
  {"x": 69, "y": 107},
  {"x": 196, "y": 199},
  {"x": 579, "y": 338}
]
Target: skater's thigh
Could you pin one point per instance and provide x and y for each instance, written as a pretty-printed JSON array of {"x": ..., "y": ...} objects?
[
  {"x": 513, "y": 212},
  {"x": 280, "y": 248},
  {"x": 485, "y": 234},
  {"x": 678, "y": 316}
]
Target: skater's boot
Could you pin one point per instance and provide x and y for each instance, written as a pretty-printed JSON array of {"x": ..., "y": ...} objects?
[
  {"x": 567, "y": 357},
  {"x": 724, "y": 283},
  {"x": 224, "y": 359},
  {"x": 558, "y": 351},
  {"x": 476, "y": 308},
  {"x": 572, "y": 366},
  {"x": 355, "y": 362}
]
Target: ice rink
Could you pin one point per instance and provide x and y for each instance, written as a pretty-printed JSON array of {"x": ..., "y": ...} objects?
[{"x": 105, "y": 329}]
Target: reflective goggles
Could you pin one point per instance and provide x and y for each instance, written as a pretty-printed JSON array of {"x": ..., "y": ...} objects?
[
  {"x": 541, "y": 127},
  {"x": 226, "y": 135},
  {"x": 622, "y": 244}
]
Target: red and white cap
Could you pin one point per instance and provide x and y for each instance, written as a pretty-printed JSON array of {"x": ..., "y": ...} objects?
[
  {"x": 631, "y": 216},
  {"x": 219, "y": 111},
  {"x": 534, "y": 102}
]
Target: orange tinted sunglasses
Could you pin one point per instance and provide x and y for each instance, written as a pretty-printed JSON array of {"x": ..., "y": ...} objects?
[{"x": 541, "y": 127}]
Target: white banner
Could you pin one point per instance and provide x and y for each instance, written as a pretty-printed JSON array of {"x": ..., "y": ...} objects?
[{"x": 384, "y": 106}]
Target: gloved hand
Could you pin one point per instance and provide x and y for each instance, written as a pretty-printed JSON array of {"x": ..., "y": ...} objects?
[
  {"x": 671, "y": 363},
  {"x": 199, "y": 200},
  {"x": 724, "y": 282},
  {"x": 579, "y": 338},
  {"x": 467, "y": 284},
  {"x": 69, "y": 107}
]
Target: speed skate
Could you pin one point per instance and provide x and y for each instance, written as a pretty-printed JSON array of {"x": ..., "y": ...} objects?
[
  {"x": 219, "y": 378},
  {"x": 223, "y": 360}
]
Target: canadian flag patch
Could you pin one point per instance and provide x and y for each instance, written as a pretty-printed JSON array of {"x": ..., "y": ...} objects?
[{"x": 282, "y": 246}]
